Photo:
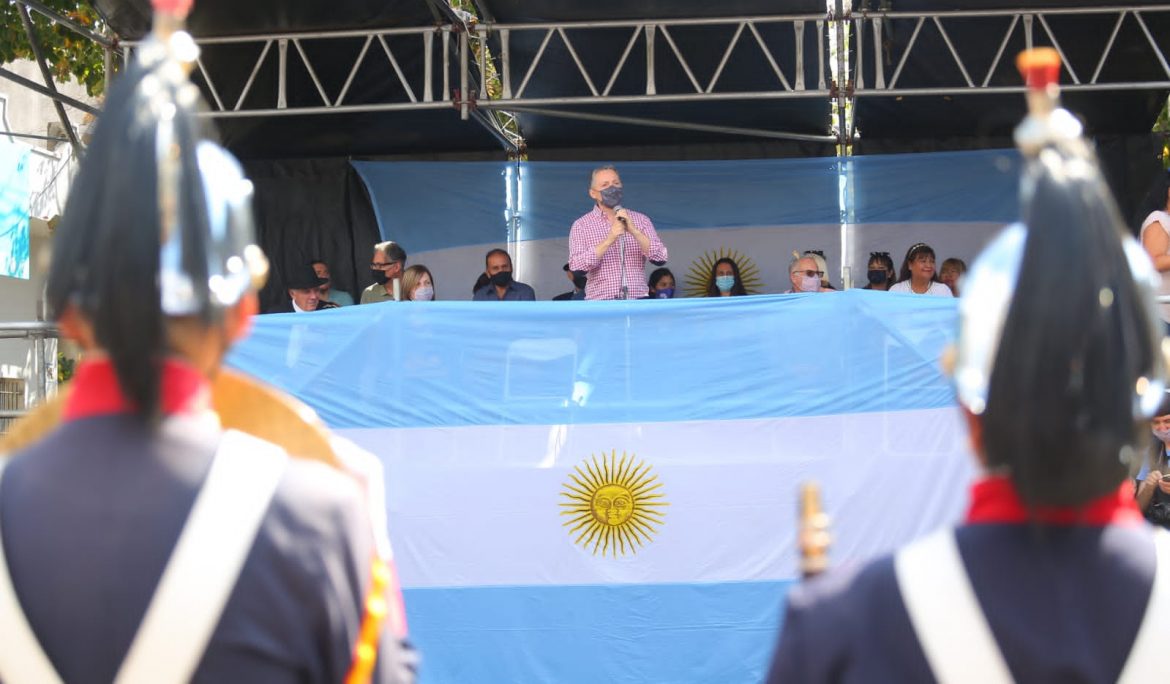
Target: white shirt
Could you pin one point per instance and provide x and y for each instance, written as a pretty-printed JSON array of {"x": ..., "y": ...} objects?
[
  {"x": 1162, "y": 219},
  {"x": 935, "y": 290}
]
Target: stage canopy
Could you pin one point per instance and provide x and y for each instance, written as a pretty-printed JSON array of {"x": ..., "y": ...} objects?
[{"x": 367, "y": 78}]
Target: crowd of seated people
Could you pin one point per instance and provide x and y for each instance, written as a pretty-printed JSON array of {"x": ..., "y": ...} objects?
[{"x": 808, "y": 272}]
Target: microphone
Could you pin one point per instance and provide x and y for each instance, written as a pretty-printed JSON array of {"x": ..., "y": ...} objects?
[{"x": 616, "y": 209}]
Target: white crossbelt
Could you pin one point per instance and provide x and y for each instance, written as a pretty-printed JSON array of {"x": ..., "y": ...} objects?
[
  {"x": 195, "y": 585},
  {"x": 953, "y": 630}
]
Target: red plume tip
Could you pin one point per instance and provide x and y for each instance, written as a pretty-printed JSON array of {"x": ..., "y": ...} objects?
[
  {"x": 1040, "y": 67},
  {"x": 174, "y": 7}
]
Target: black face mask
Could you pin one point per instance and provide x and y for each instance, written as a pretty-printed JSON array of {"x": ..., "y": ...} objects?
[
  {"x": 876, "y": 276},
  {"x": 380, "y": 277},
  {"x": 579, "y": 282},
  {"x": 502, "y": 279}
]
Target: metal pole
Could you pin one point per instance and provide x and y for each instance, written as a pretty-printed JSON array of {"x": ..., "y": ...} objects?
[
  {"x": 33, "y": 136},
  {"x": 30, "y": 327},
  {"x": 108, "y": 67},
  {"x": 35, "y": 44},
  {"x": 841, "y": 82},
  {"x": 37, "y": 87},
  {"x": 39, "y": 369},
  {"x": 651, "y": 84},
  {"x": 282, "y": 74},
  {"x": 662, "y": 123},
  {"x": 844, "y": 132},
  {"x": 464, "y": 96},
  {"x": 428, "y": 66},
  {"x": 505, "y": 65}
]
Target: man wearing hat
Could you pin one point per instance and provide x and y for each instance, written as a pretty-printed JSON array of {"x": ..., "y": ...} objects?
[
  {"x": 1053, "y": 576},
  {"x": 579, "y": 280},
  {"x": 304, "y": 291}
]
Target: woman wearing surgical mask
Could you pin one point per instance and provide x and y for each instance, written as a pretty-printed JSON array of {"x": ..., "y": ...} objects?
[
  {"x": 1153, "y": 493},
  {"x": 661, "y": 284},
  {"x": 724, "y": 280},
  {"x": 417, "y": 284},
  {"x": 880, "y": 271}
]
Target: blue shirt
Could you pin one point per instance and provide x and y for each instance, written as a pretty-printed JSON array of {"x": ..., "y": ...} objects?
[
  {"x": 340, "y": 298},
  {"x": 516, "y": 292}
]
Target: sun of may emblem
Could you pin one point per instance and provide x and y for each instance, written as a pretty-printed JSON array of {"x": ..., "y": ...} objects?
[
  {"x": 700, "y": 272},
  {"x": 613, "y": 505}
]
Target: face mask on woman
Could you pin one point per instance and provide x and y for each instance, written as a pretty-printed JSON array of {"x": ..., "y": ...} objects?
[
  {"x": 1163, "y": 435},
  {"x": 664, "y": 293},
  {"x": 876, "y": 276},
  {"x": 810, "y": 284},
  {"x": 725, "y": 283},
  {"x": 424, "y": 294}
]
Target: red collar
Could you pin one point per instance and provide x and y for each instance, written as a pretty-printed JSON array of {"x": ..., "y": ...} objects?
[
  {"x": 94, "y": 390},
  {"x": 994, "y": 500}
]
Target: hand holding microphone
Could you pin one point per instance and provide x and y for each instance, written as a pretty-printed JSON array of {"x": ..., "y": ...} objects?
[{"x": 617, "y": 228}]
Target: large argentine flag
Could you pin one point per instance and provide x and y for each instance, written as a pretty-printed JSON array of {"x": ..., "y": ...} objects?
[{"x": 606, "y": 491}]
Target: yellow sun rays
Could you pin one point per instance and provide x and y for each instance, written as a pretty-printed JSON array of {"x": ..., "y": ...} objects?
[
  {"x": 699, "y": 274},
  {"x": 614, "y": 505}
]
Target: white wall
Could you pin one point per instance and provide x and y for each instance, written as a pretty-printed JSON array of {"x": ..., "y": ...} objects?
[
  {"x": 19, "y": 301},
  {"x": 24, "y": 111},
  {"x": 30, "y": 112}
]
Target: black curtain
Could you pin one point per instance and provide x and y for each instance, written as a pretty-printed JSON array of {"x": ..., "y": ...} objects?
[{"x": 313, "y": 209}]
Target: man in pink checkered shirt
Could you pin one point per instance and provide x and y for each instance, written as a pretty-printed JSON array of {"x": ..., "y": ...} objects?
[{"x": 597, "y": 240}]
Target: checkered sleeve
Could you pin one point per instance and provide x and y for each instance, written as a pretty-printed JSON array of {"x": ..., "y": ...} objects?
[
  {"x": 658, "y": 251},
  {"x": 582, "y": 248}
]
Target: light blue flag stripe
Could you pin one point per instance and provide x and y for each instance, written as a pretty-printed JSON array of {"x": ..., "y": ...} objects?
[
  {"x": 640, "y": 634},
  {"x": 444, "y": 364}
]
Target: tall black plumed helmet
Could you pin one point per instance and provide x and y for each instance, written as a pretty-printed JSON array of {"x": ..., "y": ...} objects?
[
  {"x": 158, "y": 221},
  {"x": 1059, "y": 350}
]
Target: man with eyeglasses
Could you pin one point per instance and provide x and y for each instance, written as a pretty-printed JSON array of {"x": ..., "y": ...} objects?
[
  {"x": 386, "y": 267},
  {"x": 805, "y": 275}
]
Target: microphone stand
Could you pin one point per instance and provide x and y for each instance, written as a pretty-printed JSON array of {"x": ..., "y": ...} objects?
[{"x": 625, "y": 291}]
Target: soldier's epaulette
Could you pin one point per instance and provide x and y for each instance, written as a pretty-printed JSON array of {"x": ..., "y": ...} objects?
[
  {"x": 242, "y": 403},
  {"x": 376, "y": 608}
]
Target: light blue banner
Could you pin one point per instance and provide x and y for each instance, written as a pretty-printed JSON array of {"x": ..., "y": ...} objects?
[
  {"x": 536, "y": 363},
  {"x": 439, "y": 205},
  {"x": 14, "y": 206}
]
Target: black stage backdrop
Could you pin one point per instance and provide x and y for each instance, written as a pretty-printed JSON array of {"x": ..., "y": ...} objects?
[{"x": 313, "y": 209}]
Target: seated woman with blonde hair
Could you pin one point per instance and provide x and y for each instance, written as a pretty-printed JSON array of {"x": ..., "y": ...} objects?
[{"x": 417, "y": 284}]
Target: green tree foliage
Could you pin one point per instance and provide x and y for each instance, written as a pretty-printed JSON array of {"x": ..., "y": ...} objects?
[
  {"x": 1162, "y": 126},
  {"x": 69, "y": 55}
]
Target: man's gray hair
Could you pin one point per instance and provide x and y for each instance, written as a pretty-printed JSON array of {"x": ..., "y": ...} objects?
[
  {"x": 392, "y": 251},
  {"x": 593, "y": 174}
]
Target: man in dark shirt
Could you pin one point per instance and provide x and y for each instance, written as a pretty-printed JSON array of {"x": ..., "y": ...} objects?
[
  {"x": 501, "y": 287},
  {"x": 579, "y": 280}
]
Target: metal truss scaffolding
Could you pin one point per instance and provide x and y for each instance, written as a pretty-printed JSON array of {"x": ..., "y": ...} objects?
[
  {"x": 626, "y": 62},
  {"x": 600, "y": 70}
]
